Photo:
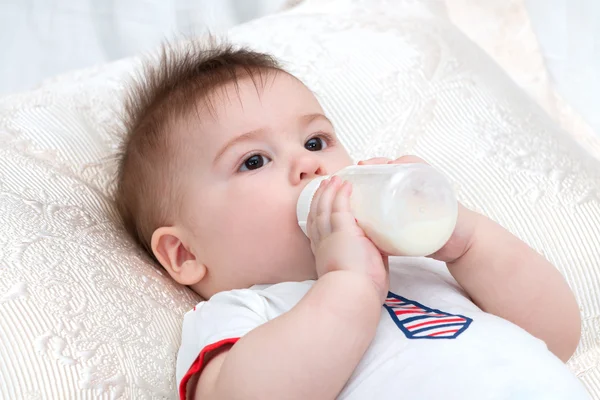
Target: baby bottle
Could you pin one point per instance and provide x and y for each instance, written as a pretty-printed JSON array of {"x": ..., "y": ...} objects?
[{"x": 405, "y": 209}]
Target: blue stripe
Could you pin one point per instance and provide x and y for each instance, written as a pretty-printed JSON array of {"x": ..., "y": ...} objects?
[{"x": 411, "y": 319}]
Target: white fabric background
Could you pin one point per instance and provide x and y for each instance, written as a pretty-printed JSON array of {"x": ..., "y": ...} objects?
[
  {"x": 569, "y": 35},
  {"x": 42, "y": 38},
  {"x": 504, "y": 30}
]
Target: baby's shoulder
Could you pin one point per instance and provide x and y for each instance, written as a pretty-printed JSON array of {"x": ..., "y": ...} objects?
[
  {"x": 267, "y": 300},
  {"x": 426, "y": 280}
]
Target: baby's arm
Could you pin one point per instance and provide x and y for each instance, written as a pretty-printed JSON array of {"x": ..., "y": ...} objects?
[
  {"x": 307, "y": 353},
  {"x": 507, "y": 278},
  {"x": 311, "y": 351}
]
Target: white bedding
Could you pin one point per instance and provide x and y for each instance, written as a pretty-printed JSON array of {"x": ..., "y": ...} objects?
[{"x": 521, "y": 36}]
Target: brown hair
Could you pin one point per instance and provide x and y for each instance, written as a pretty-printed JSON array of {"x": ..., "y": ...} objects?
[{"x": 170, "y": 87}]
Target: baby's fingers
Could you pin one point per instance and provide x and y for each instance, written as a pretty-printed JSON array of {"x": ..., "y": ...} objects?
[
  {"x": 315, "y": 200},
  {"x": 410, "y": 159},
  {"x": 324, "y": 206},
  {"x": 341, "y": 213},
  {"x": 375, "y": 160},
  {"x": 313, "y": 232}
]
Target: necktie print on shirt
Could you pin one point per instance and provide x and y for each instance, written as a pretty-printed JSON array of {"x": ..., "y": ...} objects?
[{"x": 417, "y": 321}]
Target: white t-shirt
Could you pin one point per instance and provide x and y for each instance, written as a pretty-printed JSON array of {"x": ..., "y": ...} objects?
[{"x": 432, "y": 342}]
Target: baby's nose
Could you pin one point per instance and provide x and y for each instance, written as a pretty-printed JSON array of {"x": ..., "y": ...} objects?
[{"x": 306, "y": 168}]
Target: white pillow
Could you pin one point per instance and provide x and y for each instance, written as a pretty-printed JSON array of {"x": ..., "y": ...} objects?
[{"x": 85, "y": 314}]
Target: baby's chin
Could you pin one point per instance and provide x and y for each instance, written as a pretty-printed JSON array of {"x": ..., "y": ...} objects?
[
  {"x": 270, "y": 260},
  {"x": 296, "y": 266}
]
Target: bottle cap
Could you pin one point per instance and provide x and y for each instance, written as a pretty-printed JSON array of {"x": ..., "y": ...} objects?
[{"x": 303, "y": 206}]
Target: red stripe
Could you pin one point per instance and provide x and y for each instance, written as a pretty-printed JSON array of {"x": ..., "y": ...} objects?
[
  {"x": 400, "y": 312},
  {"x": 437, "y": 321},
  {"x": 407, "y": 309},
  {"x": 443, "y": 332},
  {"x": 199, "y": 364},
  {"x": 403, "y": 311}
]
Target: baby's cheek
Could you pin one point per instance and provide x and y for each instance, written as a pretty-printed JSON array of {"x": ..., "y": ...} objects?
[{"x": 261, "y": 212}]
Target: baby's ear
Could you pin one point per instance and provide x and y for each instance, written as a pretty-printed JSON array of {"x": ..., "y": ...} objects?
[{"x": 174, "y": 254}]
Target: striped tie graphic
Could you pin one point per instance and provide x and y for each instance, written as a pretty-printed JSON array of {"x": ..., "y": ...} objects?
[{"x": 420, "y": 322}]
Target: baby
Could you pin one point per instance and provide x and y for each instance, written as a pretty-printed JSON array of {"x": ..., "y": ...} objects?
[{"x": 219, "y": 145}]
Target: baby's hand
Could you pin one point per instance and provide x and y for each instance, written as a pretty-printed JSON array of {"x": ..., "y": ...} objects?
[
  {"x": 337, "y": 241},
  {"x": 461, "y": 238}
]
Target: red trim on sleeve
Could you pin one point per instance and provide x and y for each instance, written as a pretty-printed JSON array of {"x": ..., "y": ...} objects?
[{"x": 199, "y": 364}]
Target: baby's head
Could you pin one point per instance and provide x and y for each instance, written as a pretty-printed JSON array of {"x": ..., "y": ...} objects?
[{"x": 219, "y": 145}]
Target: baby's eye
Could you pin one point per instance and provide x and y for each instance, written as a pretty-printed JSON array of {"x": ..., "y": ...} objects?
[
  {"x": 254, "y": 162},
  {"x": 315, "y": 144}
]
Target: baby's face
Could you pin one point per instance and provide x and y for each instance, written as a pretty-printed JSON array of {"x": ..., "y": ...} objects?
[{"x": 248, "y": 163}]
